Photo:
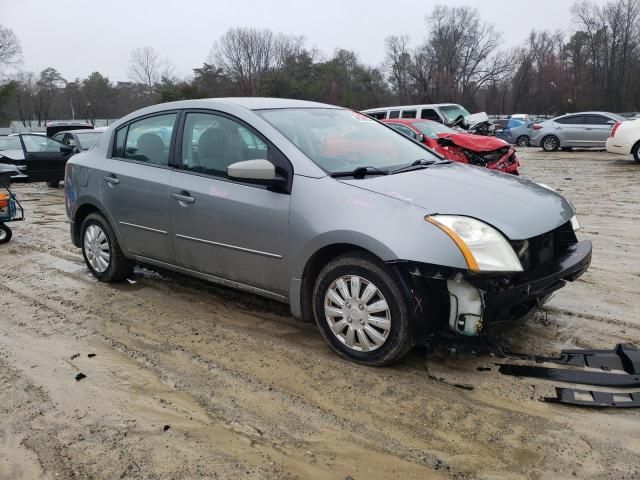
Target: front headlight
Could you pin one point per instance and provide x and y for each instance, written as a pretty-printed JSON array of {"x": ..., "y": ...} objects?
[{"x": 483, "y": 247}]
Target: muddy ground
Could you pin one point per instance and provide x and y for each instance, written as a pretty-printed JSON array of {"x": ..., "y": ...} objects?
[{"x": 194, "y": 381}]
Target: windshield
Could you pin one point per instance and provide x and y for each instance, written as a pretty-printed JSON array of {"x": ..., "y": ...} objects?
[
  {"x": 432, "y": 129},
  {"x": 452, "y": 112},
  {"x": 339, "y": 140},
  {"x": 88, "y": 140},
  {"x": 10, "y": 143}
]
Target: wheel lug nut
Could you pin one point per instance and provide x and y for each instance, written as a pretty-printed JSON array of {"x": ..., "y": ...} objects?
[
  {"x": 349, "y": 320},
  {"x": 361, "y": 307},
  {"x": 361, "y": 322},
  {"x": 348, "y": 305}
]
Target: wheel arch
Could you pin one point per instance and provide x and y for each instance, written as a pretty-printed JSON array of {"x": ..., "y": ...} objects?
[{"x": 85, "y": 208}]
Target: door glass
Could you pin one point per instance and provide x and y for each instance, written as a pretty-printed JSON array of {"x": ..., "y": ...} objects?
[
  {"x": 41, "y": 144},
  {"x": 572, "y": 120},
  {"x": 404, "y": 130},
  {"x": 149, "y": 139},
  {"x": 211, "y": 143},
  {"x": 409, "y": 113},
  {"x": 597, "y": 120},
  {"x": 429, "y": 114},
  {"x": 394, "y": 114}
]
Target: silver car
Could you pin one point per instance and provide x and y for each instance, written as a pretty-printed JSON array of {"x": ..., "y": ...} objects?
[
  {"x": 585, "y": 129},
  {"x": 355, "y": 226}
]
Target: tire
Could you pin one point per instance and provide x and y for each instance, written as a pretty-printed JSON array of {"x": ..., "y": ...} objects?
[
  {"x": 53, "y": 183},
  {"x": 5, "y": 233},
  {"x": 523, "y": 141},
  {"x": 97, "y": 236},
  {"x": 391, "y": 329},
  {"x": 635, "y": 151},
  {"x": 550, "y": 143}
]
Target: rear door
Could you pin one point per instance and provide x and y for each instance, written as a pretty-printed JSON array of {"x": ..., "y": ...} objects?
[
  {"x": 430, "y": 114},
  {"x": 221, "y": 226},
  {"x": 597, "y": 130},
  {"x": 134, "y": 185},
  {"x": 45, "y": 158},
  {"x": 570, "y": 130}
]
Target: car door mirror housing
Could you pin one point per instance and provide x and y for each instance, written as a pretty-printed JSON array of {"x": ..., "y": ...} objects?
[
  {"x": 420, "y": 137},
  {"x": 257, "y": 170},
  {"x": 66, "y": 149},
  {"x": 611, "y": 122}
]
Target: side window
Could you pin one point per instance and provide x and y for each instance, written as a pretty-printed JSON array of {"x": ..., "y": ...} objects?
[
  {"x": 403, "y": 129},
  {"x": 58, "y": 136},
  {"x": 69, "y": 140},
  {"x": 149, "y": 139},
  {"x": 409, "y": 113},
  {"x": 394, "y": 114},
  {"x": 40, "y": 143},
  {"x": 430, "y": 114},
  {"x": 571, "y": 120},
  {"x": 597, "y": 120},
  {"x": 210, "y": 143},
  {"x": 378, "y": 115}
]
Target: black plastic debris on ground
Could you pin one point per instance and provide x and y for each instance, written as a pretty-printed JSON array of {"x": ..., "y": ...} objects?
[
  {"x": 80, "y": 376},
  {"x": 166, "y": 427},
  {"x": 91, "y": 355},
  {"x": 592, "y": 398},
  {"x": 599, "y": 379},
  {"x": 74, "y": 356}
]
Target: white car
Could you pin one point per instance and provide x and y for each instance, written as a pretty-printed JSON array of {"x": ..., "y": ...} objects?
[{"x": 625, "y": 139}]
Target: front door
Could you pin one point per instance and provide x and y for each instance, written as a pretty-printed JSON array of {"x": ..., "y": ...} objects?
[
  {"x": 597, "y": 130},
  {"x": 45, "y": 158},
  {"x": 134, "y": 186},
  {"x": 222, "y": 227}
]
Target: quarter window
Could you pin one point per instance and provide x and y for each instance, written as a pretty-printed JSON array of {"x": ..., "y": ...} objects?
[{"x": 149, "y": 139}]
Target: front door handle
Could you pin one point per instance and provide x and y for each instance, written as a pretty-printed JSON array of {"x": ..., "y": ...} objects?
[
  {"x": 588, "y": 128},
  {"x": 183, "y": 197},
  {"x": 112, "y": 180}
]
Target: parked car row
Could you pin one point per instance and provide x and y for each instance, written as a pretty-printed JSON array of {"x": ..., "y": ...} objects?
[
  {"x": 39, "y": 158},
  {"x": 371, "y": 234}
]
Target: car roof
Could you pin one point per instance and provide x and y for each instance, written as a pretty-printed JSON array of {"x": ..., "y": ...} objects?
[
  {"x": 610, "y": 114},
  {"x": 407, "y": 121},
  {"x": 422, "y": 105},
  {"x": 83, "y": 131}
]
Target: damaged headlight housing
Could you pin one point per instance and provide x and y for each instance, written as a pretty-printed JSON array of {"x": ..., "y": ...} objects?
[{"x": 483, "y": 247}]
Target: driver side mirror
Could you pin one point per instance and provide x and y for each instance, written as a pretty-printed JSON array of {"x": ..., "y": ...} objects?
[
  {"x": 67, "y": 149},
  {"x": 420, "y": 137},
  {"x": 611, "y": 122}
]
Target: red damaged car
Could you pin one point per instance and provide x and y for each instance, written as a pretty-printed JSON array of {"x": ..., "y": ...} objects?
[{"x": 490, "y": 152}]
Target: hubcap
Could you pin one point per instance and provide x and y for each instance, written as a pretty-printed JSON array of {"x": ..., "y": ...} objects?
[
  {"x": 357, "y": 313},
  {"x": 96, "y": 248},
  {"x": 3, "y": 234},
  {"x": 550, "y": 143}
]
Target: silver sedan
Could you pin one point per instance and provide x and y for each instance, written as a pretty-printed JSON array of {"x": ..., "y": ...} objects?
[{"x": 585, "y": 129}]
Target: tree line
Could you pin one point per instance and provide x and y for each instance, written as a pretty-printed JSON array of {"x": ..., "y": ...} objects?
[{"x": 594, "y": 66}]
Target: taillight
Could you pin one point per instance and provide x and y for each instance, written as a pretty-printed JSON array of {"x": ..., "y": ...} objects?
[
  {"x": 535, "y": 126},
  {"x": 615, "y": 127}
]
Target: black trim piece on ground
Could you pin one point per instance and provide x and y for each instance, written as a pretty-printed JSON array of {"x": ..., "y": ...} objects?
[
  {"x": 598, "y": 379},
  {"x": 591, "y": 398}
]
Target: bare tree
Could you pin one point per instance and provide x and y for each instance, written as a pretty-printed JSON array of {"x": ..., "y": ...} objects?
[
  {"x": 398, "y": 65},
  {"x": 145, "y": 68},
  {"x": 246, "y": 55},
  {"x": 10, "y": 49}
]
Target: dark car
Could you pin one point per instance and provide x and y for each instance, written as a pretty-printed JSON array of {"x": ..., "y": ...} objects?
[
  {"x": 38, "y": 158},
  {"x": 54, "y": 127},
  {"x": 79, "y": 139}
]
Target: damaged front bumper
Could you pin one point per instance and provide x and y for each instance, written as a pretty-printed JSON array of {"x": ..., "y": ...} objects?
[{"x": 477, "y": 299}]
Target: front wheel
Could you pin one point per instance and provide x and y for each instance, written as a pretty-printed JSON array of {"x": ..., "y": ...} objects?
[
  {"x": 5, "y": 233},
  {"x": 101, "y": 251},
  {"x": 361, "y": 311},
  {"x": 550, "y": 143}
]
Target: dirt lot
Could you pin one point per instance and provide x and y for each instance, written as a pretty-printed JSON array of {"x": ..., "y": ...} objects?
[{"x": 194, "y": 381}]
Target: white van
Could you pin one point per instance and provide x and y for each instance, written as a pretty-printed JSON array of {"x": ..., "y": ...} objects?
[{"x": 446, "y": 113}]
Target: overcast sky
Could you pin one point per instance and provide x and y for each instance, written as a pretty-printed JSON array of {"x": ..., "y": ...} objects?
[{"x": 78, "y": 38}]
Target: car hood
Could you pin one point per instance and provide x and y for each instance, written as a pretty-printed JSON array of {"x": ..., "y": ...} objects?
[
  {"x": 12, "y": 154},
  {"x": 475, "y": 143},
  {"x": 520, "y": 209}
]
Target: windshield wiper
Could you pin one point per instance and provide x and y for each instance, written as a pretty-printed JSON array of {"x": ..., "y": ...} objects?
[
  {"x": 416, "y": 165},
  {"x": 360, "y": 172}
]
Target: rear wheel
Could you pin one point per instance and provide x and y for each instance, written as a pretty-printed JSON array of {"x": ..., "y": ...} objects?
[
  {"x": 101, "y": 251},
  {"x": 53, "y": 183},
  {"x": 550, "y": 143},
  {"x": 635, "y": 151},
  {"x": 5, "y": 233},
  {"x": 361, "y": 311},
  {"x": 523, "y": 141}
]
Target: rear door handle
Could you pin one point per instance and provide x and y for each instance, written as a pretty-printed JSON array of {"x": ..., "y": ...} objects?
[
  {"x": 111, "y": 179},
  {"x": 183, "y": 197}
]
